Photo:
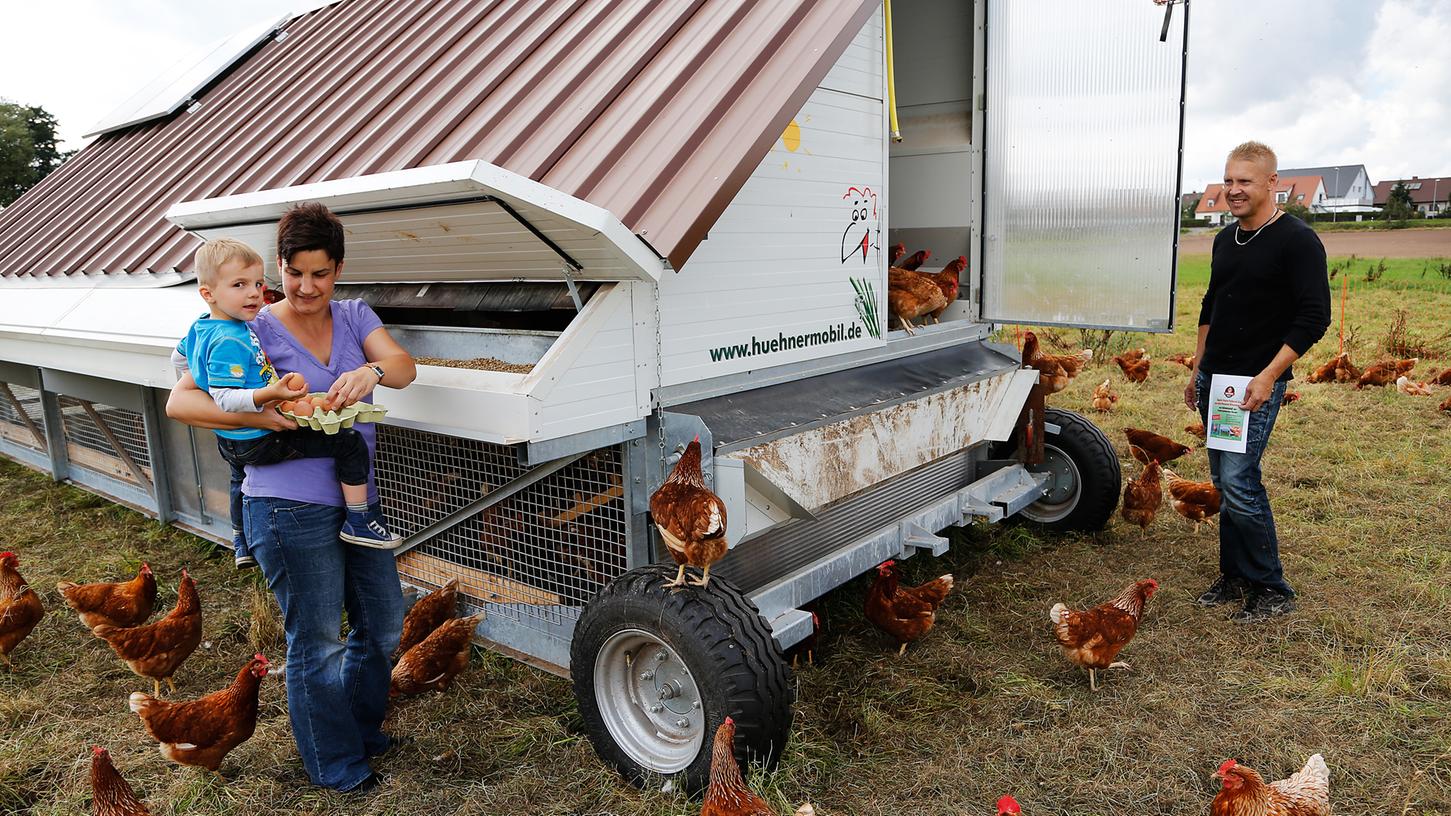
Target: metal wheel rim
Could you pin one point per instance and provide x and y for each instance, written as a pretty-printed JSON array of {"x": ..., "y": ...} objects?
[
  {"x": 1063, "y": 492},
  {"x": 649, "y": 701}
]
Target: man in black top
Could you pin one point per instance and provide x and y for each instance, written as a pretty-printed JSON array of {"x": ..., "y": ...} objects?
[{"x": 1268, "y": 301}]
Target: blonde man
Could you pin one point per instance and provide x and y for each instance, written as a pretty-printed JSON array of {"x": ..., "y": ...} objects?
[
  {"x": 1268, "y": 302},
  {"x": 226, "y": 360}
]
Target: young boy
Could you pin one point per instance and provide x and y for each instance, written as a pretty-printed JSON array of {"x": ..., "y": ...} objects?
[{"x": 226, "y": 360}]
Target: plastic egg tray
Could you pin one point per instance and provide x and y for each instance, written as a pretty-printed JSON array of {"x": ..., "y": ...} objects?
[{"x": 330, "y": 422}]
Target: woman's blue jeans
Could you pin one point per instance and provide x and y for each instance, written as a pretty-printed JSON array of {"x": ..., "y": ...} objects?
[
  {"x": 337, "y": 691},
  {"x": 1248, "y": 545}
]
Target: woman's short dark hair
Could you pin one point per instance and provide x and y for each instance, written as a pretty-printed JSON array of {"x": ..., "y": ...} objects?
[{"x": 309, "y": 226}]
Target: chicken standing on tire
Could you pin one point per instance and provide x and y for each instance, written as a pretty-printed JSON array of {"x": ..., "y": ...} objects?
[{"x": 691, "y": 519}]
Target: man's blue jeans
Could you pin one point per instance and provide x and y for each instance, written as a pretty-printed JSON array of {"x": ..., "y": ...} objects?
[
  {"x": 337, "y": 693},
  {"x": 1248, "y": 546}
]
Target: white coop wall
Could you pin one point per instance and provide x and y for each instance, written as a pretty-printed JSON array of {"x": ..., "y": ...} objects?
[{"x": 779, "y": 265}]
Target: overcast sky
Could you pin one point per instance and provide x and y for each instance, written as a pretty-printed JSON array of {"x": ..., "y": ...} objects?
[{"x": 1324, "y": 82}]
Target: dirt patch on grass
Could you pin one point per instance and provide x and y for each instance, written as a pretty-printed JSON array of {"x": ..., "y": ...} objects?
[{"x": 1406, "y": 243}]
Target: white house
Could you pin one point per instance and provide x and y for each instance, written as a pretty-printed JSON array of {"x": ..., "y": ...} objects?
[{"x": 1347, "y": 187}]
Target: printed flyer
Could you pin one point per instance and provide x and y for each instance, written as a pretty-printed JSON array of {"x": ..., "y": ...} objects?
[{"x": 1228, "y": 424}]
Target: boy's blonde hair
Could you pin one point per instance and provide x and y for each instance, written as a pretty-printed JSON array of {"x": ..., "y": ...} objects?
[
  {"x": 1256, "y": 152},
  {"x": 211, "y": 255}
]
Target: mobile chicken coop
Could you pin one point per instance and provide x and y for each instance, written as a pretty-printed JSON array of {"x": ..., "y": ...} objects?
[{"x": 609, "y": 226}]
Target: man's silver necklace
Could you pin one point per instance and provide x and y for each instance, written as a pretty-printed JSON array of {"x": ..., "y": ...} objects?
[{"x": 1257, "y": 232}]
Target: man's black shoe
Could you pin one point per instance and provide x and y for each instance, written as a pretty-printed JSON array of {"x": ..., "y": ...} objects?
[
  {"x": 1223, "y": 590},
  {"x": 1263, "y": 604},
  {"x": 368, "y": 785}
]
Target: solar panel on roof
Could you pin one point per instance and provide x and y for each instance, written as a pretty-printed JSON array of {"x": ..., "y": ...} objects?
[{"x": 180, "y": 83}]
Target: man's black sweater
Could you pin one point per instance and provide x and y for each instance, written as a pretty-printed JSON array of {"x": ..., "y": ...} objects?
[{"x": 1272, "y": 291}]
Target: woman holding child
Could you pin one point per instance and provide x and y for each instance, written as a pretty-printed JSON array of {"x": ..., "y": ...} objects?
[{"x": 294, "y": 510}]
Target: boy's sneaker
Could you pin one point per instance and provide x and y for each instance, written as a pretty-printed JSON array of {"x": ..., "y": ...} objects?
[
  {"x": 245, "y": 562},
  {"x": 1263, "y": 604},
  {"x": 1223, "y": 590},
  {"x": 368, "y": 530}
]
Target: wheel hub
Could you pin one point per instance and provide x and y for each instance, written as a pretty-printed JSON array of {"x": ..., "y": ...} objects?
[
  {"x": 649, "y": 701},
  {"x": 1064, "y": 487}
]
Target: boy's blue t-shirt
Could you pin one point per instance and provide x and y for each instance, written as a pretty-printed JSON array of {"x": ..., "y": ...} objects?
[{"x": 226, "y": 354}]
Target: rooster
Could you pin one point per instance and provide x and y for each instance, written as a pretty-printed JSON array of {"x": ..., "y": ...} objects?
[
  {"x": 1146, "y": 445},
  {"x": 1142, "y": 497},
  {"x": 426, "y": 615},
  {"x": 20, "y": 607},
  {"x": 157, "y": 650},
  {"x": 1243, "y": 792},
  {"x": 110, "y": 795},
  {"x": 1094, "y": 637},
  {"x": 1196, "y": 501},
  {"x": 1411, "y": 388},
  {"x": 905, "y": 613},
  {"x": 122, "y": 604},
  {"x": 1135, "y": 369},
  {"x": 1054, "y": 370},
  {"x": 690, "y": 518},
  {"x": 915, "y": 260},
  {"x": 1384, "y": 373},
  {"x": 201, "y": 732},
  {"x": 911, "y": 296},
  {"x": 437, "y": 660},
  {"x": 1104, "y": 398},
  {"x": 727, "y": 794}
]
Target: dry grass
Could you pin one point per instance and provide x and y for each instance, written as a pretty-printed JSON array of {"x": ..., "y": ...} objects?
[{"x": 983, "y": 706}]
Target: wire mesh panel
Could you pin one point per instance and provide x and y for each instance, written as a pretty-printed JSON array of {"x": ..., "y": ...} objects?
[
  {"x": 22, "y": 419},
  {"x": 106, "y": 439},
  {"x": 534, "y": 558}
]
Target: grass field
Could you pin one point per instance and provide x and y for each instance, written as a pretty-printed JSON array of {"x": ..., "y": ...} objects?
[{"x": 983, "y": 706}]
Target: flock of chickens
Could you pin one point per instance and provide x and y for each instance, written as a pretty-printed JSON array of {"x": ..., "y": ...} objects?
[
  {"x": 1383, "y": 373},
  {"x": 691, "y": 520},
  {"x": 916, "y": 295},
  {"x": 433, "y": 649}
]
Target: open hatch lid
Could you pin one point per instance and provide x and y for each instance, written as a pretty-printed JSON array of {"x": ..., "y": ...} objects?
[{"x": 462, "y": 221}]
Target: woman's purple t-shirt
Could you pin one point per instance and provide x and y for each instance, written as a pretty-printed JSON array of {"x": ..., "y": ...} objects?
[{"x": 314, "y": 480}]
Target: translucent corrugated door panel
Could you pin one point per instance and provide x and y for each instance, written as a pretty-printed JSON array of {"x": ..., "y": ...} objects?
[{"x": 1082, "y": 163}]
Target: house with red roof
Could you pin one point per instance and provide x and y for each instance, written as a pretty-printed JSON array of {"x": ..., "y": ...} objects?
[{"x": 1428, "y": 195}]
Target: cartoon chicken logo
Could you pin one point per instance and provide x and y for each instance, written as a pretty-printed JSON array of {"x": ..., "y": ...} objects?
[{"x": 856, "y": 239}]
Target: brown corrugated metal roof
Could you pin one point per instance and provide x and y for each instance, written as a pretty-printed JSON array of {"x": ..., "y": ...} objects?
[{"x": 656, "y": 110}]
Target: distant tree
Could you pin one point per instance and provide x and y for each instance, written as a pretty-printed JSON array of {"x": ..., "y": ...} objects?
[
  {"x": 1300, "y": 211},
  {"x": 28, "y": 148},
  {"x": 1192, "y": 205},
  {"x": 1399, "y": 206}
]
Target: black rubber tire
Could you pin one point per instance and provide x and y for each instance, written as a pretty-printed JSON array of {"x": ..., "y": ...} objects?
[
  {"x": 1098, "y": 468},
  {"x": 719, "y": 634}
]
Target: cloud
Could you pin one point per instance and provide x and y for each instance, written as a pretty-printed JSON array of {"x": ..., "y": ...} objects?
[{"x": 1324, "y": 83}]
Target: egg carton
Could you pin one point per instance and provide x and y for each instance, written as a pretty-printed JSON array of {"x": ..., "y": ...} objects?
[{"x": 330, "y": 422}]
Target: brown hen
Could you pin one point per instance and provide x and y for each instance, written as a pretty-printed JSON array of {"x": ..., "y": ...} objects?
[
  {"x": 20, "y": 607},
  {"x": 1196, "y": 501},
  {"x": 437, "y": 660},
  {"x": 1135, "y": 370},
  {"x": 1055, "y": 370},
  {"x": 426, "y": 615},
  {"x": 1104, "y": 399},
  {"x": 1384, "y": 373},
  {"x": 121, "y": 604},
  {"x": 727, "y": 794},
  {"x": 157, "y": 650},
  {"x": 911, "y": 296},
  {"x": 690, "y": 518},
  {"x": 915, "y": 260},
  {"x": 200, "y": 732},
  {"x": 110, "y": 794},
  {"x": 1154, "y": 446},
  {"x": 905, "y": 613},
  {"x": 1243, "y": 792},
  {"x": 1093, "y": 638},
  {"x": 1142, "y": 497},
  {"x": 1442, "y": 377}
]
